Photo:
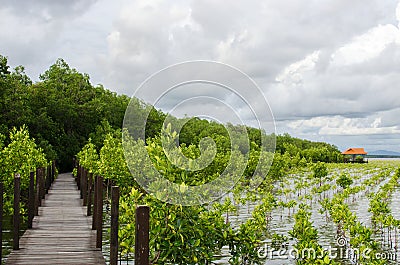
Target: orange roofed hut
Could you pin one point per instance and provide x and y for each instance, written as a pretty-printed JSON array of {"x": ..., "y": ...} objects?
[{"x": 355, "y": 155}]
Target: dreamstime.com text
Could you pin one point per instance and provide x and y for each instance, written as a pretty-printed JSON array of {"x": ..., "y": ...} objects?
[{"x": 271, "y": 253}]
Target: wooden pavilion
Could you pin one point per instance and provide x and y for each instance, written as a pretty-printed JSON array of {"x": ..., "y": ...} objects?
[{"x": 354, "y": 155}]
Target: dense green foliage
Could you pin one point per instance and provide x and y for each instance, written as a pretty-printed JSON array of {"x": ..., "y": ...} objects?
[
  {"x": 179, "y": 234},
  {"x": 307, "y": 239},
  {"x": 344, "y": 181},
  {"x": 60, "y": 111},
  {"x": 312, "y": 151},
  {"x": 20, "y": 156}
]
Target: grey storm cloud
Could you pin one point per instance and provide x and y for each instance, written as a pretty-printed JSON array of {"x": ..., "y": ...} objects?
[
  {"x": 47, "y": 9},
  {"x": 260, "y": 37},
  {"x": 328, "y": 68}
]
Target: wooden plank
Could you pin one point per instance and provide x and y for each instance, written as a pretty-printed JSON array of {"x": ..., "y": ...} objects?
[{"x": 62, "y": 233}]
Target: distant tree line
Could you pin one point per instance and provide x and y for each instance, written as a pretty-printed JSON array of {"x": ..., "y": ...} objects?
[
  {"x": 60, "y": 110},
  {"x": 312, "y": 151},
  {"x": 63, "y": 110}
]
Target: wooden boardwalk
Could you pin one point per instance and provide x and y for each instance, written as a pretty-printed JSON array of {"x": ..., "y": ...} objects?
[{"x": 62, "y": 232}]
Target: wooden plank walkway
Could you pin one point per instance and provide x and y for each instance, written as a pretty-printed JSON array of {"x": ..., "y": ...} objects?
[{"x": 61, "y": 233}]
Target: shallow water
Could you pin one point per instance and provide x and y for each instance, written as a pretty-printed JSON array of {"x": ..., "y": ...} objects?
[
  {"x": 395, "y": 204},
  {"x": 281, "y": 222}
]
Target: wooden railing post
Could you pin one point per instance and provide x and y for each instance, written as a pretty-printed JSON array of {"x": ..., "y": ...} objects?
[
  {"x": 89, "y": 194},
  {"x": 43, "y": 183},
  {"x": 48, "y": 179},
  {"x": 31, "y": 199},
  {"x": 37, "y": 195},
  {"x": 99, "y": 212},
  {"x": 16, "y": 217},
  {"x": 39, "y": 186},
  {"x": 51, "y": 174},
  {"x": 78, "y": 176},
  {"x": 53, "y": 171},
  {"x": 114, "y": 225},
  {"x": 82, "y": 180},
  {"x": 142, "y": 235},
  {"x": 1, "y": 221},
  {"x": 84, "y": 186},
  {"x": 95, "y": 203}
]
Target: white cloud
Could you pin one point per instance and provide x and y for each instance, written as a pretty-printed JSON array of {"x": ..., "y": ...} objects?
[
  {"x": 338, "y": 125},
  {"x": 398, "y": 14},
  {"x": 366, "y": 46},
  {"x": 293, "y": 74}
]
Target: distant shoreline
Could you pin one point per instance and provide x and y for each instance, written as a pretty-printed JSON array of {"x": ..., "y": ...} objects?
[
  {"x": 381, "y": 156},
  {"x": 386, "y": 158}
]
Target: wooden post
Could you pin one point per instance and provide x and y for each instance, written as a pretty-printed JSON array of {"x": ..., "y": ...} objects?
[
  {"x": 84, "y": 186},
  {"x": 1, "y": 221},
  {"x": 89, "y": 194},
  {"x": 40, "y": 181},
  {"x": 142, "y": 235},
  {"x": 78, "y": 176},
  {"x": 43, "y": 183},
  {"x": 51, "y": 173},
  {"x": 39, "y": 186},
  {"x": 31, "y": 199},
  {"x": 47, "y": 179},
  {"x": 99, "y": 212},
  {"x": 53, "y": 170},
  {"x": 114, "y": 225},
  {"x": 16, "y": 217},
  {"x": 37, "y": 195},
  {"x": 82, "y": 180},
  {"x": 94, "y": 222}
]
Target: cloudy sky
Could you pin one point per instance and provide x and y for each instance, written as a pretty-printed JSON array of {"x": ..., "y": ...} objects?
[{"x": 329, "y": 69}]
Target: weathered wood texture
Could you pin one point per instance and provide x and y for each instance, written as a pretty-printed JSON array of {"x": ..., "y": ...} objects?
[{"x": 61, "y": 233}]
